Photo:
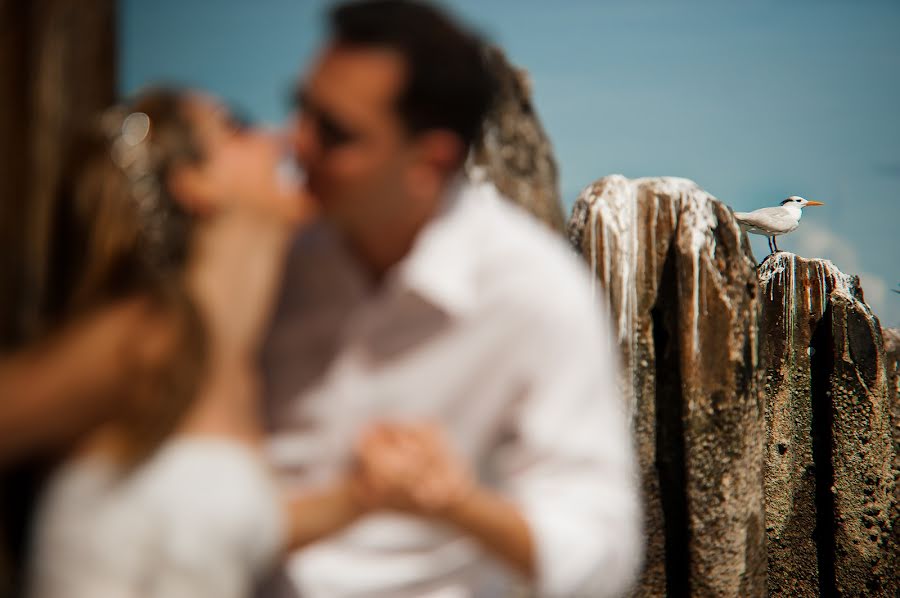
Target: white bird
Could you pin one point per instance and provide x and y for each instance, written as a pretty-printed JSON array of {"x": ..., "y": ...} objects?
[{"x": 779, "y": 220}]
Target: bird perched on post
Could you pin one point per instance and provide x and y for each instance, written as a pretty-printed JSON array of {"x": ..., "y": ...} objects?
[{"x": 779, "y": 220}]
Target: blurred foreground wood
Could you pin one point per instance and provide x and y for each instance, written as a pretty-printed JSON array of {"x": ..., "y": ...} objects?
[{"x": 57, "y": 69}]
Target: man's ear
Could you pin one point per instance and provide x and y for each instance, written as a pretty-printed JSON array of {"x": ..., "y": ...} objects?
[
  {"x": 439, "y": 154},
  {"x": 191, "y": 189},
  {"x": 443, "y": 149}
]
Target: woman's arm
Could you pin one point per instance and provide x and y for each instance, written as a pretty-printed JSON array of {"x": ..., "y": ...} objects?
[
  {"x": 317, "y": 515},
  {"x": 54, "y": 391}
]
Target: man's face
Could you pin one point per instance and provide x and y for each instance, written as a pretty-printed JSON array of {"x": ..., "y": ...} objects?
[{"x": 348, "y": 137}]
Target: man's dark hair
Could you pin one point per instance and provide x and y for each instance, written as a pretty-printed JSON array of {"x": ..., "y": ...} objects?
[{"x": 448, "y": 84}]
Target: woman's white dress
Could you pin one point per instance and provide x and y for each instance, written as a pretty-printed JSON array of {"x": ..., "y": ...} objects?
[{"x": 202, "y": 517}]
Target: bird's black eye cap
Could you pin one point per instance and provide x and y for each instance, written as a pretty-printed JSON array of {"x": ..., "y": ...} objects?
[{"x": 791, "y": 200}]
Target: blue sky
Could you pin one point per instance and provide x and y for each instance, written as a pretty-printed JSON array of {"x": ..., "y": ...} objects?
[{"x": 754, "y": 100}]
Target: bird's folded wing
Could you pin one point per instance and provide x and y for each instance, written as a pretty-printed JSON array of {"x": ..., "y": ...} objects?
[{"x": 766, "y": 219}]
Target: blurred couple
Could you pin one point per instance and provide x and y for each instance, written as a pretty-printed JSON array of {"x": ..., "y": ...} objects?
[{"x": 379, "y": 379}]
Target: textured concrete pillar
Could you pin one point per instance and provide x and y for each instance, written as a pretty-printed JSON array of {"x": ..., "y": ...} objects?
[{"x": 681, "y": 285}]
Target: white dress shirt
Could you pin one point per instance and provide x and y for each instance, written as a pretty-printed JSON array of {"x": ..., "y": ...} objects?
[{"x": 489, "y": 328}]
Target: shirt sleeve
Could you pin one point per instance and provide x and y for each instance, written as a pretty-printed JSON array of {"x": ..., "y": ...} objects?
[{"x": 569, "y": 463}]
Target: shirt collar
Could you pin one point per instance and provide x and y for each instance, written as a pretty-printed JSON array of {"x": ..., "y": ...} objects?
[{"x": 440, "y": 266}]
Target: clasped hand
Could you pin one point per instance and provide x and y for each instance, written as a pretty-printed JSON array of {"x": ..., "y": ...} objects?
[{"x": 409, "y": 468}]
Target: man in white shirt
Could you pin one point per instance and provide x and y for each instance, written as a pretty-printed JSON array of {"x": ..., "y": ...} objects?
[{"x": 439, "y": 345}]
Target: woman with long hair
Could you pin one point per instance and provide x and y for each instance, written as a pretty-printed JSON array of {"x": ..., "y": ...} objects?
[{"x": 169, "y": 198}]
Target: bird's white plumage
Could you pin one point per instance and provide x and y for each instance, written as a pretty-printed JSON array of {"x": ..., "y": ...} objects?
[{"x": 779, "y": 220}]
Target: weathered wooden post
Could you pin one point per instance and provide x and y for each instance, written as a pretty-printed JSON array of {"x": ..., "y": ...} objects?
[
  {"x": 681, "y": 285},
  {"x": 513, "y": 151},
  {"x": 829, "y": 478}
]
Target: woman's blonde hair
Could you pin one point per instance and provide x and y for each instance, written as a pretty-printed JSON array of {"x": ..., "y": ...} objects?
[{"x": 121, "y": 233}]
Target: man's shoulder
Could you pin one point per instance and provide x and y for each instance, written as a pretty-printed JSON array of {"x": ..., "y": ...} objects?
[{"x": 520, "y": 255}]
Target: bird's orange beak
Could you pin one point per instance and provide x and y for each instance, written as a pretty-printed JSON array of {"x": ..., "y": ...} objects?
[{"x": 814, "y": 203}]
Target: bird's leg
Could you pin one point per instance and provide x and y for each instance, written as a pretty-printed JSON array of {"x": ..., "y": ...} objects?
[
  {"x": 771, "y": 251},
  {"x": 775, "y": 243}
]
